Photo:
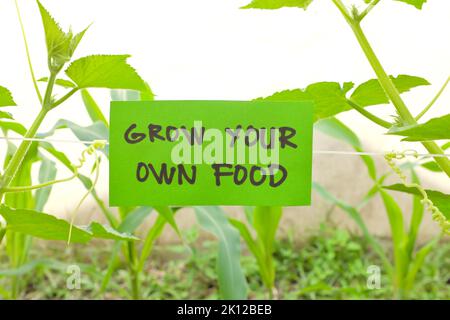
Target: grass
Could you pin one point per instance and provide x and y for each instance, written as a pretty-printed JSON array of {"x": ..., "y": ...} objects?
[{"x": 331, "y": 264}]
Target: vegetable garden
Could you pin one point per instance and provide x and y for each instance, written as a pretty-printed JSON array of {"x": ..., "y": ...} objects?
[{"x": 246, "y": 256}]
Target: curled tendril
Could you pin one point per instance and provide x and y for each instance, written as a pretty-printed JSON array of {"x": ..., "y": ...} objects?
[
  {"x": 91, "y": 150},
  {"x": 436, "y": 214}
]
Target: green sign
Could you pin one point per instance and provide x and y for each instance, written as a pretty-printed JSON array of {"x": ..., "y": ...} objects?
[{"x": 185, "y": 153}]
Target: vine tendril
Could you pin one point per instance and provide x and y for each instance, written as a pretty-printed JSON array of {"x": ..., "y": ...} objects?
[{"x": 436, "y": 214}]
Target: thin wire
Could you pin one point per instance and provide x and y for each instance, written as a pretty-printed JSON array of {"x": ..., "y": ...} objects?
[{"x": 350, "y": 153}]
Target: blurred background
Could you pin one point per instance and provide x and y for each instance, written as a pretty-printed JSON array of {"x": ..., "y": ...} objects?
[{"x": 210, "y": 49}]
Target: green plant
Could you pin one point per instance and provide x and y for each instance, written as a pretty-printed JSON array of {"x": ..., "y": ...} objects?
[
  {"x": 26, "y": 219},
  {"x": 332, "y": 98},
  {"x": 264, "y": 221}
]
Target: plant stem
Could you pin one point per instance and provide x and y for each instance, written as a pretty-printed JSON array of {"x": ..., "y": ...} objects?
[
  {"x": 63, "y": 99},
  {"x": 30, "y": 65},
  {"x": 368, "y": 9},
  {"x": 19, "y": 155},
  {"x": 369, "y": 115},
  {"x": 390, "y": 89},
  {"x": 420, "y": 115},
  {"x": 133, "y": 269}
]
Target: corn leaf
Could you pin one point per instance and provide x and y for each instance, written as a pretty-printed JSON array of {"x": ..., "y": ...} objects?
[
  {"x": 434, "y": 129},
  {"x": 399, "y": 236},
  {"x": 335, "y": 128},
  {"x": 232, "y": 282},
  {"x": 416, "y": 218},
  {"x": 47, "y": 172},
  {"x": 167, "y": 213},
  {"x": 92, "y": 108},
  {"x": 95, "y": 131},
  {"x": 105, "y": 71},
  {"x": 357, "y": 218}
]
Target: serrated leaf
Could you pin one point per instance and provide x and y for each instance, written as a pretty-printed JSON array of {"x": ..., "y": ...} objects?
[
  {"x": 416, "y": 3},
  {"x": 42, "y": 225},
  {"x": 106, "y": 232},
  {"x": 60, "y": 45},
  {"x": 329, "y": 97},
  {"x": 277, "y": 4},
  {"x": 105, "y": 71},
  {"x": 6, "y": 99},
  {"x": 434, "y": 129},
  {"x": 439, "y": 199},
  {"x": 55, "y": 37},
  {"x": 48, "y": 227},
  {"x": 371, "y": 93}
]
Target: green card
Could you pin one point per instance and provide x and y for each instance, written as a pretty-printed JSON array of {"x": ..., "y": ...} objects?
[{"x": 182, "y": 153}]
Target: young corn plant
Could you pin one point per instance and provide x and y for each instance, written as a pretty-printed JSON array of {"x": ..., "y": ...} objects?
[
  {"x": 264, "y": 221},
  {"x": 407, "y": 261},
  {"x": 332, "y": 98},
  {"x": 21, "y": 209},
  {"x": 129, "y": 218}
]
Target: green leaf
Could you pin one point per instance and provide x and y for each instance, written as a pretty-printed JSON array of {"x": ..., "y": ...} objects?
[
  {"x": 232, "y": 282},
  {"x": 106, "y": 232},
  {"x": 439, "y": 199},
  {"x": 60, "y": 45},
  {"x": 265, "y": 222},
  {"x": 92, "y": 108},
  {"x": 105, "y": 71},
  {"x": 371, "y": 93},
  {"x": 335, "y": 128},
  {"x": 42, "y": 225},
  {"x": 434, "y": 129},
  {"x": 47, "y": 172},
  {"x": 6, "y": 99},
  {"x": 329, "y": 97},
  {"x": 13, "y": 126},
  {"x": 95, "y": 131},
  {"x": 6, "y": 115},
  {"x": 134, "y": 219},
  {"x": 60, "y": 82},
  {"x": 399, "y": 237},
  {"x": 416, "y": 3},
  {"x": 276, "y": 4},
  {"x": 48, "y": 227},
  {"x": 416, "y": 217},
  {"x": 167, "y": 213},
  {"x": 432, "y": 166},
  {"x": 357, "y": 218}
]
